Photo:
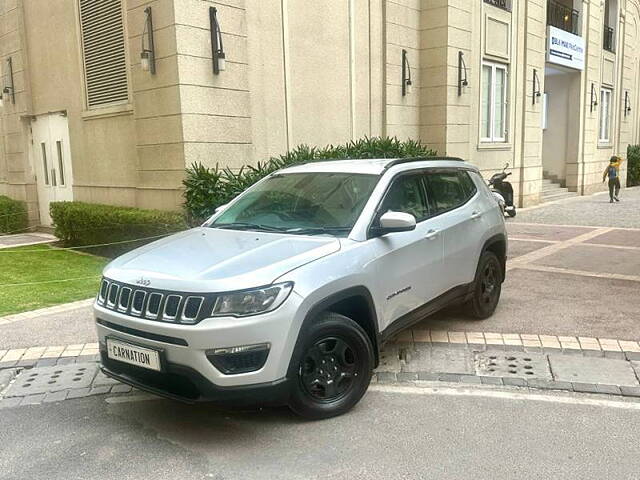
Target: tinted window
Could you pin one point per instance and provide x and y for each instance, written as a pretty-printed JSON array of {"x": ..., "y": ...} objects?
[
  {"x": 467, "y": 183},
  {"x": 407, "y": 195},
  {"x": 446, "y": 190}
]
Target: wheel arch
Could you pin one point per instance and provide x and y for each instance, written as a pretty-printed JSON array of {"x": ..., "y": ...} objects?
[
  {"x": 354, "y": 302},
  {"x": 498, "y": 245}
]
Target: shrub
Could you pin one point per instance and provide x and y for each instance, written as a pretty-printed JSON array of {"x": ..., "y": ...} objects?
[
  {"x": 13, "y": 215},
  {"x": 633, "y": 167},
  {"x": 208, "y": 188},
  {"x": 80, "y": 224}
]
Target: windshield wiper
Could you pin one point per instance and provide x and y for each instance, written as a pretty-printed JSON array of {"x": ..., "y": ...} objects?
[
  {"x": 317, "y": 230},
  {"x": 247, "y": 226}
]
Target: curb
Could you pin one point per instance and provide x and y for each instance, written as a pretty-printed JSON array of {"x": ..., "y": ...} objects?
[
  {"x": 531, "y": 343},
  {"x": 65, "y": 307}
]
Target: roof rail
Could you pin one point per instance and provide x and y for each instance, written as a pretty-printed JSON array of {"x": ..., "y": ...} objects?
[{"x": 400, "y": 161}]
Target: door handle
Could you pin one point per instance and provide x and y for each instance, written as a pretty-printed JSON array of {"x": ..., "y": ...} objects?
[
  {"x": 54, "y": 181},
  {"x": 476, "y": 215},
  {"x": 431, "y": 235}
]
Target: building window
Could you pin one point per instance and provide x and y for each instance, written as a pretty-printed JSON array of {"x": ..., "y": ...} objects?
[
  {"x": 605, "y": 115},
  {"x": 493, "y": 122},
  {"x": 103, "y": 50}
]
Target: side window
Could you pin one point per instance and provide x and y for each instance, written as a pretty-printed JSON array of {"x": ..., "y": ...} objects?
[
  {"x": 446, "y": 190},
  {"x": 467, "y": 183},
  {"x": 407, "y": 195}
]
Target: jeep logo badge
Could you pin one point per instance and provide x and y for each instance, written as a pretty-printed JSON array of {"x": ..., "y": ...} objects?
[{"x": 143, "y": 281}]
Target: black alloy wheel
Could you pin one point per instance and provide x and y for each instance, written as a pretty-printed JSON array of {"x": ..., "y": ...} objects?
[
  {"x": 331, "y": 367},
  {"x": 487, "y": 286}
]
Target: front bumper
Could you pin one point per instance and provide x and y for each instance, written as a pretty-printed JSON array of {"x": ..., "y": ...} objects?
[
  {"x": 185, "y": 384},
  {"x": 185, "y": 347}
]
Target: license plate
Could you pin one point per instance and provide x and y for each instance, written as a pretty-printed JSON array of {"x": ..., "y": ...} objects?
[{"x": 133, "y": 354}]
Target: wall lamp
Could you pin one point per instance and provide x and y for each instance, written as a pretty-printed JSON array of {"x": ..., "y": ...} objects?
[
  {"x": 8, "y": 90},
  {"x": 537, "y": 91},
  {"x": 217, "y": 50},
  {"x": 594, "y": 98},
  {"x": 148, "y": 53},
  {"x": 406, "y": 74},
  {"x": 462, "y": 73},
  {"x": 627, "y": 103}
]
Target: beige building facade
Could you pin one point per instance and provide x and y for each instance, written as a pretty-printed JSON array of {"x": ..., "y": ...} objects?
[{"x": 550, "y": 86}]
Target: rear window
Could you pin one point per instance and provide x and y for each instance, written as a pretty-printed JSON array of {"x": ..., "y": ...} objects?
[{"x": 449, "y": 189}]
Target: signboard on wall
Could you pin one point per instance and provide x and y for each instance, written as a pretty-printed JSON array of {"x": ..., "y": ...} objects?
[{"x": 564, "y": 48}]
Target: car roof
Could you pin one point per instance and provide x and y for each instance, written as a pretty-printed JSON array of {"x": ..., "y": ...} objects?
[{"x": 377, "y": 166}]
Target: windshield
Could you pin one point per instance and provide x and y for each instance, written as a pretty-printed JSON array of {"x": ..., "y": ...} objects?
[{"x": 304, "y": 203}]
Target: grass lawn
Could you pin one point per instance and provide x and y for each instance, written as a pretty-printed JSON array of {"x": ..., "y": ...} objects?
[{"x": 45, "y": 264}]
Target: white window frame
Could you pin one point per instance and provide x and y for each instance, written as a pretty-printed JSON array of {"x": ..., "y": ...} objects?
[
  {"x": 495, "y": 137},
  {"x": 604, "y": 123}
]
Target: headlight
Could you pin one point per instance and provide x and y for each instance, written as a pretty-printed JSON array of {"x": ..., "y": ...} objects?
[{"x": 251, "y": 302}]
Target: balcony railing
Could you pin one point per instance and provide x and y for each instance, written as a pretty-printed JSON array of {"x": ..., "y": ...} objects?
[
  {"x": 563, "y": 17},
  {"x": 607, "y": 39},
  {"x": 503, "y": 4}
]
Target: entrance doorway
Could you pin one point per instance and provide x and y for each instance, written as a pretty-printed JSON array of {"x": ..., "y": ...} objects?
[
  {"x": 561, "y": 125},
  {"x": 52, "y": 161}
]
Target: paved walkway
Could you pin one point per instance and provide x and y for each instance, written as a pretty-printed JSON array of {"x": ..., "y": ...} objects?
[
  {"x": 588, "y": 210},
  {"x": 25, "y": 239}
]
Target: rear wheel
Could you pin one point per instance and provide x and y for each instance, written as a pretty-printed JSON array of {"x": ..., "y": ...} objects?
[
  {"x": 333, "y": 368},
  {"x": 487, "y": 286}
]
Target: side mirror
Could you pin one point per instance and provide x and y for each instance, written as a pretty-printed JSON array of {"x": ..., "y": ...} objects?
[
  {"x": 506, "y": 165},
  {"x": 221, "y": 207},
  {"x": 396, "y": 222}
]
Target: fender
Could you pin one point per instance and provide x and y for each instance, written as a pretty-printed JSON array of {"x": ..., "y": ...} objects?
[
  {"x": 324, "y": 305},
  {"x": 498, "y": 238}
]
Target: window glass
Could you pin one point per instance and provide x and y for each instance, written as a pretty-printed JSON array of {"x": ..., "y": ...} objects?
[
  {"x": 446, "y": 190},
  {"x": 486, "y": 102},
  {"x": 301, "y": 203},
  {"x": 499, "y": 102},
  {"x": 406, "y": 195},
  {"x": 45, "y": 166},
  {"x": 493, "y": 103},
  {"x": 468, "y": 185},
  {"x": 60, "y": 162},
  {"x": 605, "y": 114}
]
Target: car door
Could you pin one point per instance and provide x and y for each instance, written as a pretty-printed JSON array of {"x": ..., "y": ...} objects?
[
  {"x": 407, "y": 264},
  {"x": 453, "y": 197}
]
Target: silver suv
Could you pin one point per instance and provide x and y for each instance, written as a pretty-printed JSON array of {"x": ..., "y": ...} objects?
[{"x": 286, "y": 294}]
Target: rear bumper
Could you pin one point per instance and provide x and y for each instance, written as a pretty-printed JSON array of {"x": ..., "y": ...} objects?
[{"x": 185, "y": 384}]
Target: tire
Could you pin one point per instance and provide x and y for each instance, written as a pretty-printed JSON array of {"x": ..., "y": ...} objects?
[
  {"x": 323, "y": 390},
  {"x": 511, "y": 213},
  {"x": 486, "y": 287}
]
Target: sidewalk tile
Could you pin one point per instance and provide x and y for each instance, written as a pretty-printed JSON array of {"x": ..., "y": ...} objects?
[
  {"x": 405, "y": 336},
  {"x": 512, "y": 339},
  {"x": 422, "y": 336},
  {"x": 609, "y": 345},
  {"x": 457, "y": 337},
  {"x": 33, "y": 399},
  {"x": 476, "y": 338},
  {"x": 53, "y": 352},
  {"x": 629, "y": 346},
  {"x": 439, "y": 336},
  {"x": 493, "y": 338},
  {"x": 2, "y": 353},
  {"x": 549, "y": 341},
  {"x": 13, "y": 355},
  {"x": 589, "y": 343}
]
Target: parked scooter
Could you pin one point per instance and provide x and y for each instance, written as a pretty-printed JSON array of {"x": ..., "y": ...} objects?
[{"x": 503, "y": 191}]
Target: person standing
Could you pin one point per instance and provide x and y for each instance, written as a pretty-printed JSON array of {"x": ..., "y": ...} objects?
[{"x": 613, "y": 172}]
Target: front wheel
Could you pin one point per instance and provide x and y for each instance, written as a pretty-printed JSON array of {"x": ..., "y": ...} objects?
[
  {"x": 333, "y": 368},
  {"x": 486, "y": 287}
]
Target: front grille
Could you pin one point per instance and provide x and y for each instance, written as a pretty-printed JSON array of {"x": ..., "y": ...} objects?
[{"x": 152, "y": 304}]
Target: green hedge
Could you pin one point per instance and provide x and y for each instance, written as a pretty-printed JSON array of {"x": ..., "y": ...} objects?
[
  {"x": 633, "y": 167},
  {"x": 208, "y": 188},
  {"x": 80, "y": 224},
  {"x": 13, "y": 215}
]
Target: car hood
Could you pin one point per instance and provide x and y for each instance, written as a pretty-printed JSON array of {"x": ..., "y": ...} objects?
[{"x": 215, "y": 260}]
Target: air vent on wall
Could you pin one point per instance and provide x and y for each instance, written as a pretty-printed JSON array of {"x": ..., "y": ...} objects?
[{"x": 103, "y": 46}]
